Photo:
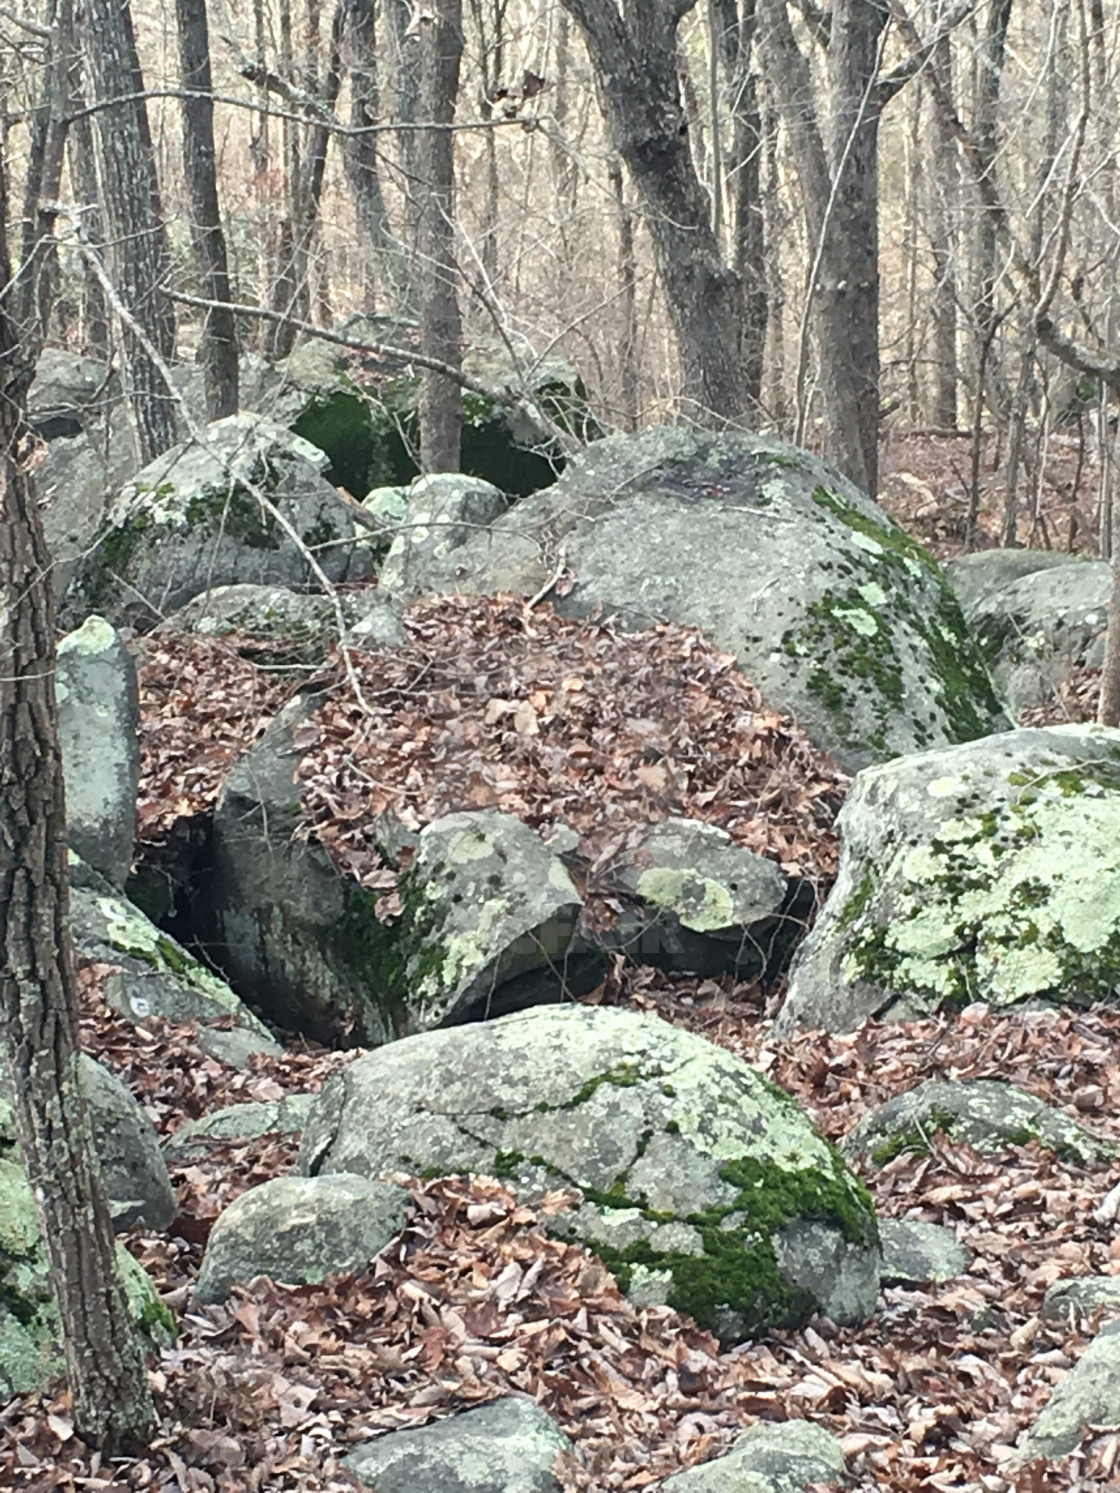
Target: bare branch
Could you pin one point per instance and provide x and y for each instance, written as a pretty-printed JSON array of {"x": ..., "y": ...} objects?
[{"x": 921, "y": 51}]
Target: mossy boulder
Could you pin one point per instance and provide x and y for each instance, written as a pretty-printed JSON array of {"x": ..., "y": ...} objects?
[
  {"x": 987, "y": 872},
  {"x": 150, "y": 974},
  {"x": 832, "y": 609},
  {"x": 986, "y": 1114},
  {"x": 699, "y": 1182},
  {"x": 31, "y": 1356},
  {"x": 192, "y": 520}
]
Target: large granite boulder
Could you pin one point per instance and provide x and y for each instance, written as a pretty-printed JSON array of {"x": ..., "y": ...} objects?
[
  {"x": 192, "y": 520},
  {"x": 1088, "y": 1396},
  {"x": 980, "y": 575},
  {"x": 31, "y": 1356},
  {"x": 71, "y": 395},
  {"x": 984, "y": 872},
  {"x": 838, "y": 616},
  {"x": 149, "y": 974},
  {"x": 701, "y": 1183},
  {"x": 783, "y": 1458},
  {"x": 98, "y": 726},
  {"x": 300, "y": 1230},
  {"x": 508, "y": 1446},
  {"x": 133, "y": 1171},
  {"x": 443, "y": 511},
  {"x": 1036, "y": 629}
]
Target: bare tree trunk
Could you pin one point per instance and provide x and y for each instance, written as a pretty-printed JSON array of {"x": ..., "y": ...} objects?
[
  {"x": 441, "y": 401},
  {"x": 38, "y": 988},
  {"x": 38, "y": 285},
  {"x": 489, "y": 19},
  {"x": 627, "y": 276},
  {"x": 405, "y": 58},
  {"x": 83, "y": 184},
  {"x": 140, "y": 258},
  {"x": 360, "y": 156},
  {"x": 219, "y": 335},
  {"x": 989, "y": 63},
  {"x": 635, "y": 60},
  {"x": 942, "y": 195}
]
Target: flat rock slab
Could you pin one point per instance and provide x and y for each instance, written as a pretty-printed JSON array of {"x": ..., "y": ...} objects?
[
  {"x": 703, "y": 1185},
  {"x": 301, "y": 627},
  {"x": 836, "y": 614},
  {"x": 1089, "y": 1395},
  {"x": 985, "y": 872},
  {"x": 916, "y": 1253},
  {"x": 300, "y": 1230},
  {"x": 783, "y": 1458},
  {"x": 986, "y": 1114},
  {"x": 98, "y": 725},
  {"x": 508, "y": 1446},
  {"x": 240, "y": 1122}
]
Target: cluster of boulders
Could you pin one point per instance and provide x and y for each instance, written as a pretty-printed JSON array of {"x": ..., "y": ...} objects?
[{"x": 978, "y": 863}]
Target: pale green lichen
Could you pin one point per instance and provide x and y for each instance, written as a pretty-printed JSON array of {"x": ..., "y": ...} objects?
[{"x": 699, "y": 902}]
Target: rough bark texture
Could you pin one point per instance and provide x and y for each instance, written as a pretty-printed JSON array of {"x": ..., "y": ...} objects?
[
  {"x": 219, "y": 335},
  {"x": 989, "y": 76},
  {"x": 38, "y": 252},
  {"x": 943, "y": 209},
  {"x": 635, "y": 59},
  {"x": 38, "y": 987},
  {"x": 441, "y": 402},
  {"x": 140, "y": 261}
]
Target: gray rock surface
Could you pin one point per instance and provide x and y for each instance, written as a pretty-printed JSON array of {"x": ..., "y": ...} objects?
[
  {"x": 981, "y": 872},
  {"x": 299, "y": 1230},
  {"x": 688, "y": 1161},
  {"x": 155, "y": 976},
  {"x": 190, "y": 521},
  {"x": 235, "y": 1122},
  {"x": 300, "y": 627},
  {"x": 784, "y": 1458},
  {"x": 1075, "y": 1301},
  {"x": 508, "y": 1446},
  {"x": 916, "y": 1253},
  {"x": 1036, "y": 629},
  {"x": 1089, "y": 1395},
  {"x": 98, "y": 725},
  {"x": 836, "y": 614},
  {"x": 443, "y": 511},
  {"x": 986, "y": 1114},
  {"x": 974, "y": 577},
  {"x": 133, "y": 1170},
  {"x": 74, "y": 484}
]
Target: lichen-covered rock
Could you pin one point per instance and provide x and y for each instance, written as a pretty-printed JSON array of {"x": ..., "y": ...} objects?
[
  {"x": 508, "y": 1446},
  {"x": 985, "y": 872},
  {"x": 133, "y": 1171},
  {"x": 98, "y": 725},
  {"x": 985, "y": 1113},
  {"x": 837, "y": 615},
  {"x": 785, "y": 1458},
  {"x": 1035, "y": 630},
  {"x": 702, "y": 903},
  {"x": 916, "y": 1253},
  {"x": 488, "y": 914},
  {"x": 1076, "y": 1301},
  {"x": 240, "y": 1122},
  {"x": 152, "y": 975},
  {"x": 703, "y": 1185},
  {"x": 295, "y": 627},
  {"x": 31, "y": 1356},
  {"x": 191, "y": 520},
  {"x": 1089, "y": 1395},
  {"x": 300, "y": 1230},
  {"x": 444, "y": 511},
  {"x": 977, "y": 576}
]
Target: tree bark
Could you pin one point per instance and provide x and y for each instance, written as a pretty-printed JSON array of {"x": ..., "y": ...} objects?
[
  {"x": 38, "y": 988},
  {"x": 441, "y": 401},
  {"x": 38, "y": 286},
  {"x": 635, "y": 59},
  {"x": 942, "y": 207},
  {"x": 140, "y": 258},
  {"x": 989, "y": 63},
  {"x": 219, "y": 355}
]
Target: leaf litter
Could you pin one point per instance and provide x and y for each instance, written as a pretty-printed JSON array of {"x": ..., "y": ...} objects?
[{"x": 269, "y": 1390}]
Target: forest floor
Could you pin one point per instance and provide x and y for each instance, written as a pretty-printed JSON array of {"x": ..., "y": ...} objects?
[{"x": 270, "y": 1390}]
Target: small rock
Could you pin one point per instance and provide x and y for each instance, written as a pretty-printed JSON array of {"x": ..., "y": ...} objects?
[
  {"x": 782, "y": 1458},
  {"x": 918, "y": 1254}
]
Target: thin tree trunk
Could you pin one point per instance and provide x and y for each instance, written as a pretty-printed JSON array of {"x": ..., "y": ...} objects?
[
  {"x": 627, "y": 276},
  {"x": 942, "y": 192},
  {"x": 441, "y": 402},
  {"x": 83, "y": 183},
  {"x": 219, "y": 356},
  {"x": 112, "y": 1401},
  {"x": 989, "y": 63},
  {"x": 405, "y": 57},
  {"x": 38, "y": 286},
  {"x": 140, "y": 258}
]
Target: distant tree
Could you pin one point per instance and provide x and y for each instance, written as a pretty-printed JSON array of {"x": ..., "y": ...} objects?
[{"x": 38, "y": 987}]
